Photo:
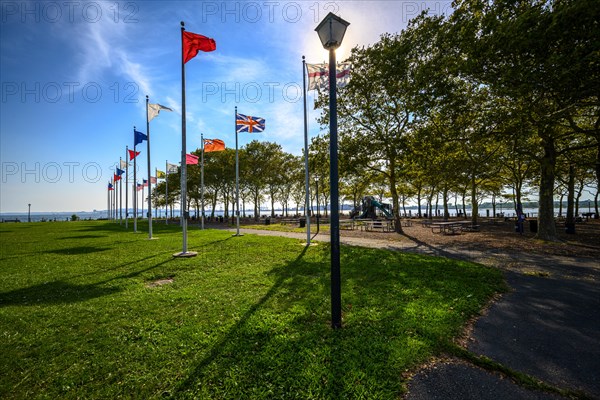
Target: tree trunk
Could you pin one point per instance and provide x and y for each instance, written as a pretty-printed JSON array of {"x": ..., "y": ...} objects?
[
  {"x": 445, "y": 203},
  {"x": 570, "y": 221},
  {"x": 546, "y": 226},
  {"x": 256, "y": 207},
  {"x": 474, "y": 204},
  {"x": 395, "y": 199},
  {"x": 560, "y": 203}
]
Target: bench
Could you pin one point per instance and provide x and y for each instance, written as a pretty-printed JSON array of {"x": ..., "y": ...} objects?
[
  {"x": 471, "y": 228},
  {"x": 347, "y": 225},
  {"x": 289, "y": 221},
  {"x": 11, "y": 220}
]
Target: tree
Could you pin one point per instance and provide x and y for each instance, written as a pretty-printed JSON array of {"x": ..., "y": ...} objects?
[{"x": 543, "y": 58}]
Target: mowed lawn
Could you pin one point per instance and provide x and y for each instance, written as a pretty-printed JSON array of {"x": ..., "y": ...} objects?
[{"x": 82, "y": 315}]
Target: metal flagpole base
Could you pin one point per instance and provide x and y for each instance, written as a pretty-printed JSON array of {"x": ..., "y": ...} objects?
[
  {"x": 309, "y": 244},
  {"x": 187, "y": 254},
  {"x": 152, "y": 238},
  {"x": 238, "y": 234}
]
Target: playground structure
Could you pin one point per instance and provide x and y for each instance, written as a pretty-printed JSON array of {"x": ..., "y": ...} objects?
[{"x": 369, "y": 207}]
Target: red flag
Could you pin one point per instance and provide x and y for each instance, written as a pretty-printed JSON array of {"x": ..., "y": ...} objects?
[
  {"x": 193, "y": 43},
  {"x": 133, "y": 154},
  {"x": 117, "y": 178},
  {"x": 213, "y": 145},
  {"x": 191, "y": 159}
]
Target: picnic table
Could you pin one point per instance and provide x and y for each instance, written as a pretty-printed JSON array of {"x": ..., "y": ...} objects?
[
  {"x": 450, "y": 227},
  {"x": 377, "y": 225}
]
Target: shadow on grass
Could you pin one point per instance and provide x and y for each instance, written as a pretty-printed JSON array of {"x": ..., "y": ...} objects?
[
  {"x": 399, "y": 310},
  {"x": 79, "y": 250},
  {"x": 229, "y": 348},
  {"x": 83, "y": 237},
  {"x": 61, "y": 292},
  {"x": 56, "y": 292}
]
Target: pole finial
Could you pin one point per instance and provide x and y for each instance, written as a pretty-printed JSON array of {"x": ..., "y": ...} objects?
[
  {"x": 182, "y": 25},
  {"x": 303, "y": 58}
]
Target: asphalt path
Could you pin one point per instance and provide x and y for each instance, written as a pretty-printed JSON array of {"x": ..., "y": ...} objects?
[{"x": 547, "y": 326}]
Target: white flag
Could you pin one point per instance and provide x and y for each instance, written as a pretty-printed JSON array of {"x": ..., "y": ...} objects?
[
  {"x": 171, "y": 168},
  {"x": 123, "y": 164},
  {"x": 154, "y": 109},
  {"x": 318, "y": 75}
]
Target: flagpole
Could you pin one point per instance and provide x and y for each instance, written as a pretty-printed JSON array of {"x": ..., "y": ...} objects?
[
  {"x": 307, "y": 173},
  {"x": 126, "y": 187},
  {"x": 202, "y": 182},
  {"x": 183, "y": 151},
  {"x": 184, "y": 252},
  {"x": 155, "y": 188},
  {"x": 149, "y": 172},
  {"x": 237, "y": 176},
  {"x": 166, "y": 192},
  {"x": 121, "y": 194},
  {"x": 142, "y": 198},
  {"x": 108, "y": 201},
  {"x": 114, "y": 199},
  {"x": 134, "y": 184}
]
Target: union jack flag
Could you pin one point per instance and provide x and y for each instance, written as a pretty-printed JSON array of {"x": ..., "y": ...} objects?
[{"x": 245, "y": 123}]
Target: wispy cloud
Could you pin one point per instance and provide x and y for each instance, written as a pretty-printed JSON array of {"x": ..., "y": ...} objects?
[{"x": 103, "y": 49}]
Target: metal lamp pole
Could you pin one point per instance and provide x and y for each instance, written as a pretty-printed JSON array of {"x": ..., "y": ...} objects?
[{"x": 331, "y": 32}]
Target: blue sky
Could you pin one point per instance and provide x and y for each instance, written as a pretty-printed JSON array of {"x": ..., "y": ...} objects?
[{"x": 75, "y": 75}]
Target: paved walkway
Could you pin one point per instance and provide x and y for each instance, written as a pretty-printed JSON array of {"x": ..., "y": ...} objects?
[{"x": 547, "y": 327}]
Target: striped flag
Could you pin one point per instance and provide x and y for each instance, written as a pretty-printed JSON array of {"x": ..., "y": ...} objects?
[
  {"x": 246, "y": 123},
  {"x": 318, "y": 75}
]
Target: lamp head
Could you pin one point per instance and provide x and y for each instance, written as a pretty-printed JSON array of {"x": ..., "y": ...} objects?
[{"x": 331, "y": 31}]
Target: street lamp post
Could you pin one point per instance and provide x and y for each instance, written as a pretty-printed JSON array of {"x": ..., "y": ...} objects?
[{"x": 331, "y": 33}]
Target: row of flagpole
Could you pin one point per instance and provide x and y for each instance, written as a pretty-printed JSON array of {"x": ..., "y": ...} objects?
[{"x": 191, "y": 44}]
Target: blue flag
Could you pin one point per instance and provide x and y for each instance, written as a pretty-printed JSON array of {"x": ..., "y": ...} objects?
[
  {"x": 120, "y": 171},
  {"x": 246, "y": 123},
  {"x": 138, "y": 137}
]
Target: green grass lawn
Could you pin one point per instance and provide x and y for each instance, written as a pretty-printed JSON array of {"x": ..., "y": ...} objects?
[{"x": 247, "y": 318}]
